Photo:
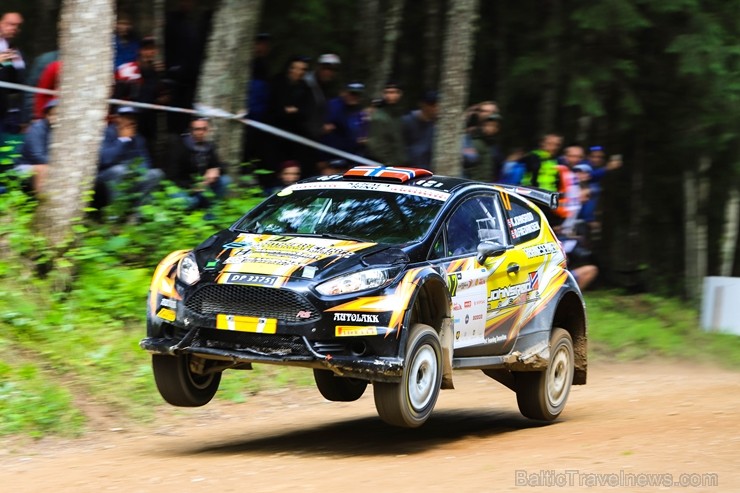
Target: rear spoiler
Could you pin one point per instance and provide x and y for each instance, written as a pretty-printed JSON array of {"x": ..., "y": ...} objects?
[{"x": 539, "y": 196}]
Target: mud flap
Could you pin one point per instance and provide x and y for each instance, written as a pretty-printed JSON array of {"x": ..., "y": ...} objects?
[{"x": 446, "y": 340}]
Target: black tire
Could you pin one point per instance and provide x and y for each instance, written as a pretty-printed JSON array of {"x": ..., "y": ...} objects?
[
  {"x": 542, "y": 395},
  {"x": 410, "y": 402},
  {"x": 338, "y": 389},
  {"x": 179, "y": 386}
]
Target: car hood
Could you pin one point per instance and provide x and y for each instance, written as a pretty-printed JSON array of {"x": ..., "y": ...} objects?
[{"x": 230, "y": 257}]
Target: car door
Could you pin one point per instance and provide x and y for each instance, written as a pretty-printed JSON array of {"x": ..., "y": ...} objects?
[
  {"x": 476, "y": 219},
  {"x": 515, "y": 284}
]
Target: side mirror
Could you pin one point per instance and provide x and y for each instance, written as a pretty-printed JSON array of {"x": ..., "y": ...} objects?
[{"x": 488, "y": 249}]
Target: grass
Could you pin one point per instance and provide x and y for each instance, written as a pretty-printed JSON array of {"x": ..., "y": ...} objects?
[{"x": 646, "y": 326}]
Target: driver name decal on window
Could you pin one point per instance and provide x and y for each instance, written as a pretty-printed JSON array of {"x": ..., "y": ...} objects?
[{"x": 523, "y": 224}]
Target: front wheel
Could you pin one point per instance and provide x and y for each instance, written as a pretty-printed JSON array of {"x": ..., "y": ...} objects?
[
  {"x": 338, "y": 389},
  {"x": 542, "y": 394},
  {"x": 179, "y": 385},
  {"x": 410, "y": 402}
]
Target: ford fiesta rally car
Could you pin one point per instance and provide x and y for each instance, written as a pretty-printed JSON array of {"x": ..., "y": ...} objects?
[{"x": 389, "y": 276}]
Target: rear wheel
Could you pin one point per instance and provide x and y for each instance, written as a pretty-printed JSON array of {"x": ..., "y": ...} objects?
[
  {"x": 338, "y": 389},
  {"x": 542, "y": 394},
  {"x": 179, "y": 385},
  {"x": 410, "y": 402}
]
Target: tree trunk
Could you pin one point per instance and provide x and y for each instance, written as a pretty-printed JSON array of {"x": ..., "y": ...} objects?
[
  {"x": 702, "y": 230},
  {"x": 729, "y": 235},
  {"x": 691, "y": 212},
  {"x": 85, "y": 44},
  {"x": 432, "y": 43},
  {"x": 461, "y": 19},
  {"x": 368, "y": 41},
  {"x": 225, "y": 75},
  {"x": 696, "y": 191},
  {"x": 391, "y": 31},
  {"x": 158, "y": 15}
]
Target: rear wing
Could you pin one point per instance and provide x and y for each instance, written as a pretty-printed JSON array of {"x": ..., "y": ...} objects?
[{"x": 543, "y": 198}]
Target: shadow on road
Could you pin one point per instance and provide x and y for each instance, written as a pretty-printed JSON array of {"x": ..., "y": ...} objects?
[{"x": 371, "y": 436}]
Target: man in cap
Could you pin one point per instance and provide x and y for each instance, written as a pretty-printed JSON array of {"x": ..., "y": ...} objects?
[
  {"x": 347, "y": 121},
  {"x": 385, "y": 135},
  {"x": 322, "y": 82},
  {"x": 124, "y": 156}
]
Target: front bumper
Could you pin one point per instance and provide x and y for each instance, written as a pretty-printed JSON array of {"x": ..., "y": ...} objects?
[{"x": 234, "y": 349}]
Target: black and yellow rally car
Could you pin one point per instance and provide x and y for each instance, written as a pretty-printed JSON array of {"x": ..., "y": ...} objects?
[{"x": 390, "y": 276}]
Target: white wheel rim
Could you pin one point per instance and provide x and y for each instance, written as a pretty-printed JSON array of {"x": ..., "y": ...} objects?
[
  {"x": 422, "y": 377},
  {"x": 558, "y": 377}
]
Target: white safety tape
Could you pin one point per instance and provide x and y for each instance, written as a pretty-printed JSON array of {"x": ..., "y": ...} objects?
[{"x": 210, "y": 112}]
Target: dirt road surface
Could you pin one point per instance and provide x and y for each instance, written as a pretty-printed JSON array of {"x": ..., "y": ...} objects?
[{"x": 632, "y": 426}]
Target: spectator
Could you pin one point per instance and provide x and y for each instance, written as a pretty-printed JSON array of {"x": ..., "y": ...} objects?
[
  {"x": 123, "y": 157},
  {"x": 288, "y": 110},
  {"x": 572, "y": 156},
  {"x": 385, "y": 134},
  {"x": 478, "y": 113},
  {"x": 418, "y": 131},
  {"x": 347, "y": 121},
  {"x": 570, "y": 189},
  {"x": 322, "y": 84},
  {"x": 587, "y": 213},
  {"x": 142, "y": 80},
  {"x": 125, "y": 41},
  {"x": 482, "y": 155},
  {"x": 35, "y": 150},
  {"x": 596, "y": 159},
  {"x": 541, "y": 166},
  {"x": 12, "y": 65},
  {"x": 197, "y": 167}
]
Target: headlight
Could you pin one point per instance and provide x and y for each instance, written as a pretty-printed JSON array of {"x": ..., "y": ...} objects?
[
  {"x": 359, "y": 281},
  {"x": 187, "y": 271}
]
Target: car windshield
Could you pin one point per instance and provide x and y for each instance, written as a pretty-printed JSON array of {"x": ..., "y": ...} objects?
[{"x": 363, "y": 215}]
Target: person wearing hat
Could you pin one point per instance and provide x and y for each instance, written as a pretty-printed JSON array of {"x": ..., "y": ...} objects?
[
  {"x": 124, "y": 157},
  {"x": 322, "y": 82},
  {"x": 385, "y": 133},
  {"x": 347, "y": 121},
  {"x": 35, "y": 150},
  {"x": 418, "y": 131}
]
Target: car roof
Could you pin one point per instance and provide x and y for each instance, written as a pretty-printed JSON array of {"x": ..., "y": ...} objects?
[
  {"x": 414, "y": 177},
  {"x": 424, "y": 178}
]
